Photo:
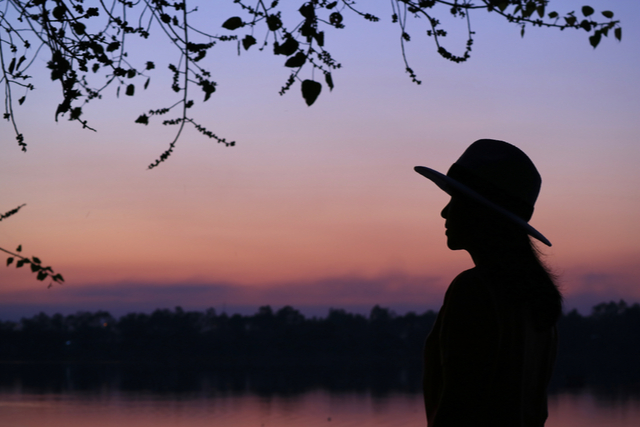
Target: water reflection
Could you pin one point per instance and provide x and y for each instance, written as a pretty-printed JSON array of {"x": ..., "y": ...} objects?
[{"x": 113, "y": 396}]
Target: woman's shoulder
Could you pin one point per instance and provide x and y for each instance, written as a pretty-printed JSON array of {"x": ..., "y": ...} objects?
[{"x": 469, "y": 285}]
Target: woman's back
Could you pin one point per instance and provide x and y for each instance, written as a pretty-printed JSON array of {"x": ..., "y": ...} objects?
[{"x": 486, "y": 360}]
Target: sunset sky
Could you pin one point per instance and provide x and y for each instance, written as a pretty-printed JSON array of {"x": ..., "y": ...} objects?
[{"x": 319, "y": 206}]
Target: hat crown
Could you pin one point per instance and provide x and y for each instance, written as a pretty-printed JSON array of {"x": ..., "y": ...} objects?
[{"x": 502, "y": 173}]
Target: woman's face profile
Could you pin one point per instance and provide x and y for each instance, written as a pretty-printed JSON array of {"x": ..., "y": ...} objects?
[{"x": 461, "y": 223}]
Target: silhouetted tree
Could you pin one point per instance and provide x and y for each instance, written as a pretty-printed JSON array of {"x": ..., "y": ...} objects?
[
  {"x": 86, "y": 44},
  {"x": 86, "y": 48}
]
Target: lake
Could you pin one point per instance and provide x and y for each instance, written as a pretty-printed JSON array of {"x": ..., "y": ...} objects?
[{"x": 113, "y": 408}]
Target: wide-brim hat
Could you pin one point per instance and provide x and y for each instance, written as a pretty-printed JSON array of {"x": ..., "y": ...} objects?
[{"x": 499, "y": 176}]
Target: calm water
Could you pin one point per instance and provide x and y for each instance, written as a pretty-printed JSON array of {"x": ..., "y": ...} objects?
[{"x": 109, "y": 408}]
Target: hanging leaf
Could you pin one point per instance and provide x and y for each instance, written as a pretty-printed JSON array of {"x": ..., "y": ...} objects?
[
  {"x": 12, "y": 65},
  {"x": 9, "y": 261},
  {"x": 79, "y": 28},
  {"x": 233, "y": 23},
  {"x": 618, "y": 33},
  {"x": 273, "y": 22},
  {"x": 208, "y": 88},
  {"x": 59, "y": 11},
  {"x": 130, "y": 90},
  {"x": 307, "y": 10},
  {"x": 310, "y": 91},
  {"x": 287, "y": 48},
  {"x": 113, "y": 46},
  {"x": 143, "y": 119},
  {"x": 146, "y": 84},
  {"x": 329, "y": 80},
  {"x": 248, "y": 41},
  {"x": 297, "y": 60},
  {"x": 607, "y": 14},
  {"x": 587, "y": 10},
  {"x": 594, "y": 39}
]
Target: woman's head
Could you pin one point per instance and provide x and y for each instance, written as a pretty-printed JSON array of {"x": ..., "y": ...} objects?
[
  {"x": 476, "y": 228},
  {"x": 496, "y": 176}
]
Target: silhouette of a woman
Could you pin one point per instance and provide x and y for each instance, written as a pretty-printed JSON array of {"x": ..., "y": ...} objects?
[{"x": 490, "y": 354}]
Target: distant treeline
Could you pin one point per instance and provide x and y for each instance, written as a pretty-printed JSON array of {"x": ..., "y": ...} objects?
[{"x": 600, "y": 349}]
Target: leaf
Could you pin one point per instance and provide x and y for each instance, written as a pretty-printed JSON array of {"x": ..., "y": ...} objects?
[
  {"x": 12, "y": 65},
  {"x": 310, "y": 91},
  {"x": 35, "y": 267},
  {"x": 143, "y": 119},
  {"x": 585, "y": 25},
  {"x": 79, "y": 28},
  {"x": 58, "y": 278},
  {"x": 287, "y": 48},
  {"x": 331, "y": 5},
  {"x": 273, "y": 22},
  {"x": 307, "y": 10},
  {"x": 329, "y": 80},
  {"x": 59, "y": 11},
  {"x": 130, "y": 90},
  {"x": 150, "y": 65},
  {"x": 335, "y": 18},
  {"x": 297, "y": 60},
  {"x": 146, "y": 84},
  {"x": 19, "y": 249},
  {"x": 594, "y": 40},
  {"x": 553, "y": 15},
  {"x": 571, "y": 20},
  {"x": 248, "y": 41},
  {"x": 540, "y": 11},
  {"x": 208, "y": 88},
  {"x": 9, "y": 261},
  {"x": 320, "y": 38},
  {"x": 42, "y": 275},
  {"x": 165, "y": 18},
  {"x": 21, "y": 100},
  {"x": 607, "y": 14},
  {"x": 36, "y": 260},
  {"x": 20, "y": 263},
  {"x": 587, "y": 10},
  {"x": 233, "y": 23},
  {"x": 113, "y": 46},
  {"x": 618, "y": 33},
  {"x": 503, "y": 5},
  {"x": 20, "y": 61}
]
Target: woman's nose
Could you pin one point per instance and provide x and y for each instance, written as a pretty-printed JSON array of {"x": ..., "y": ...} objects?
[{"x": 445, "y": 211}]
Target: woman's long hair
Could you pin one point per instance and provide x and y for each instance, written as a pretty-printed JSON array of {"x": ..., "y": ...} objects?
[{"x": 520, "y": 261}]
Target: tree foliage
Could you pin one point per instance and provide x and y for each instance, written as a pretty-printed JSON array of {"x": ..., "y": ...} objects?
[
  {"x": 85, "y": 44},
  {"x": 86, "y": 48},
  {"x": 600, "y": 349},
  {"x": 42, "y": 272}
]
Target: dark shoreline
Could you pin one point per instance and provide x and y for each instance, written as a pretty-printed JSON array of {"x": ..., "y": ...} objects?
[{"x": 283, "y": 350}]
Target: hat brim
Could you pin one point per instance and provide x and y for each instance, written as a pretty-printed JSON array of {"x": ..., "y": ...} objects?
[{"x": 447, "y": 184}]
